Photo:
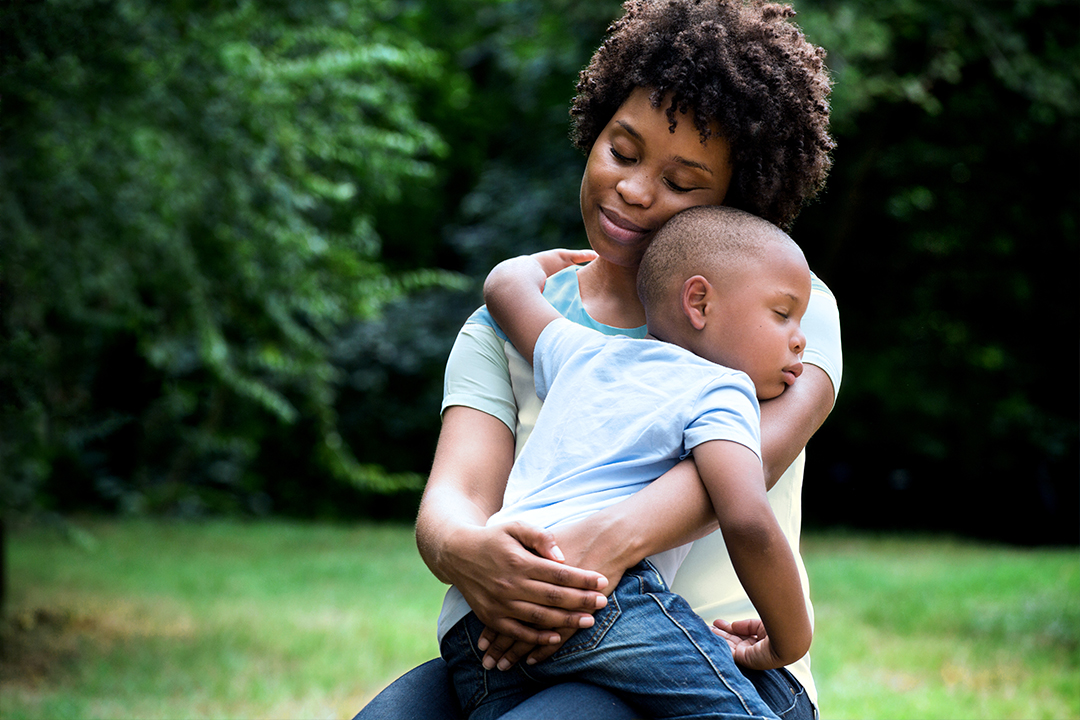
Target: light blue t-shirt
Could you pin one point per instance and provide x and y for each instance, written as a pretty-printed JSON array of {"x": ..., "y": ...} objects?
[{"x": 617, "y": 414}]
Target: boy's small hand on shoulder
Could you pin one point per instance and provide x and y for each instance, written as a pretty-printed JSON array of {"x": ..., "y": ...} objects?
[{"x": 552, "y": 261}]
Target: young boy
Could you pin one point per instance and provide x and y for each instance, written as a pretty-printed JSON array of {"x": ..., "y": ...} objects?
[{"x": 724, "y": 292}]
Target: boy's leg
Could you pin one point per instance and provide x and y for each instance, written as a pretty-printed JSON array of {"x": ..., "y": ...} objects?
[
  {"x": 650, "y": 648},
  {"x": 483, "y": 694}
]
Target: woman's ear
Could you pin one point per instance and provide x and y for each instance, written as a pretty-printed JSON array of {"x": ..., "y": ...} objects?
[{"x": 695, "y": 300}]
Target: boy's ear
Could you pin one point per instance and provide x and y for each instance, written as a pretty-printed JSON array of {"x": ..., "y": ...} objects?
[{"x": 695, "y": 300}]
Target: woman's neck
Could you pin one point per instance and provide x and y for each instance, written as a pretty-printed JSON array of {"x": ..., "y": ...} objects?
[{"x": 609, "y": 294}]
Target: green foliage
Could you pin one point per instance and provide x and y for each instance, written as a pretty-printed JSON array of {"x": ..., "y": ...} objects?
[
  {"x": 215, "y": 219},
  {"x": 950, "y": 223},
  {"x": 188, "y": 197}
]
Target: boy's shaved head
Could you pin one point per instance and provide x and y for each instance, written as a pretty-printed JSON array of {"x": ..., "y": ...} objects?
[{"x": 712, "y": 241}]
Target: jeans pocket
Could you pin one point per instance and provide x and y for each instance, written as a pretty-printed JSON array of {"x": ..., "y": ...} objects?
[{"x": 589, "y": 638}]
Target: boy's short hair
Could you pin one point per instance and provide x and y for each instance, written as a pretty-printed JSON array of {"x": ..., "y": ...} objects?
[
  {"x": 709, "y": 240},
  {"x": 742, "y": 64}
]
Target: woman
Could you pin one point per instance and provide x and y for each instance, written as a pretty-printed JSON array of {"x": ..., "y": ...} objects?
[{"x": 688, "y": 102}]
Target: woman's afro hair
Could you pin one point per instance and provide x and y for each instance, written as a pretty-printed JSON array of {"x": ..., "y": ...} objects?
[{"x": 741, "y": 64}]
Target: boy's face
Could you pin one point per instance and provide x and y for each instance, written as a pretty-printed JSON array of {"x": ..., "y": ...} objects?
[
  {"x": 754, "y": 325},
  {"x": 640, "y": 173}
]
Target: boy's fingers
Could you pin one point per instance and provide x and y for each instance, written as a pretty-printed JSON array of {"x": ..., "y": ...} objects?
[{"x": 552, "y": 261}]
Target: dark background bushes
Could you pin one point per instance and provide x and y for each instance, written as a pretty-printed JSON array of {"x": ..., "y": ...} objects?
[{"x": 238, "y": 241}]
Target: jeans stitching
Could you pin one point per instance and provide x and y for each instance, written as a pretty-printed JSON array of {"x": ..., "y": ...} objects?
[
  {"x": 594, "y": 635},
  {"x": 717, "y": 671},
  {"x": 795, "y": 695},
  {"x": 482, "y": 689}
]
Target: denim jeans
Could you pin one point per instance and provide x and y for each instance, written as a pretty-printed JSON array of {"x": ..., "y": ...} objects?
[
  {"x": 647, "y": 646},
  {"x": 426, "y": 693}
]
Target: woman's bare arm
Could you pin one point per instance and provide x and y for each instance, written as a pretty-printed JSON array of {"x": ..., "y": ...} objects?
[
  {"x": 497, "y": 569},
  {"x": 790, "y": 420}
]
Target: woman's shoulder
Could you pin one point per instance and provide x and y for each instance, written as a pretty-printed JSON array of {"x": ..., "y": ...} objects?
[{"x": 821, "y": 325}]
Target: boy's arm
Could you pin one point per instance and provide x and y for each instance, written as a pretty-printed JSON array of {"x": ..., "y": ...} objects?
[
  {"x": 513, "y": 294},
  {"x": 759, "y": 553}
]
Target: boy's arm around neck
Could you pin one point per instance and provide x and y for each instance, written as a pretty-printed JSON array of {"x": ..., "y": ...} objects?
[{"x": 513, "y": 293}]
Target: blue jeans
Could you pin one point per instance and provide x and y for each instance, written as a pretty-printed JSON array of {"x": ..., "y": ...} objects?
[
  {"x": 427, "y": 693},
  {"x": 647, "y": 646}
]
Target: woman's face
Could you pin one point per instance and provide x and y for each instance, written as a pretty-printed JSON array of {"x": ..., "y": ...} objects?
[{"x": 639, "y": 174}]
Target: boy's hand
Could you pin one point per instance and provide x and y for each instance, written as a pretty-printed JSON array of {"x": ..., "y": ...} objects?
[
  {"x": 552, "y": 261},
  {"x": 750, "y": 646},
  {"x": 513, "y": 293}
]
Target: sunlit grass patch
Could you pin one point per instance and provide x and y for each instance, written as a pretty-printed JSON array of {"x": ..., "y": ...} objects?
[
  {"x": 932, "y": 627},
  {"x": 222, "y": 619},
  {"x": 147, "y": 619}
]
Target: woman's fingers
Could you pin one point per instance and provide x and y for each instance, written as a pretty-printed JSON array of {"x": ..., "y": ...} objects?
[
  {"x": 543, "y": 652},
  {"x": 515, "y": 587},
  {"x": 503, "y": 652}
]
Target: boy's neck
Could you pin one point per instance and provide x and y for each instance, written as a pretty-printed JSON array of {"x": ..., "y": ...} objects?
[
  {"x": 671, "y": 338},
  {"x": 609, "y": 294}
]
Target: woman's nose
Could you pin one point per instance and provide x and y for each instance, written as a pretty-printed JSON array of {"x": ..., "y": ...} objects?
[{"x": 636, "y": 189}]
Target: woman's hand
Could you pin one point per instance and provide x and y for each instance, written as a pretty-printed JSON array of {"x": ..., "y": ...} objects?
[
  {"x": 515, "y": 581},
  {"x": 585, "y": 549},
  {"x": 667, "y": 513},
  {"x": 510, "y": 574},
  {"x": 750, "y": 646}
]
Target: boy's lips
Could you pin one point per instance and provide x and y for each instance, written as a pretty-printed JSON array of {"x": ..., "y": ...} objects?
[
  {"x": 792, "y": 372},
  {"x": 619, "y": 228}
]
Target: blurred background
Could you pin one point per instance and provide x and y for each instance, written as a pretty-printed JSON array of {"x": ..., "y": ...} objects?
[{"x": 237, "y": 241}]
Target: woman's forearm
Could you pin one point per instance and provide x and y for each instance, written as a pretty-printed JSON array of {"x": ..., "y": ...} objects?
[
  {"x": 465, "y": 487},
  {"x": 790, "y": 420},
  {"x": 667, "y": 513},
  {"x": 506, "y": 572}
]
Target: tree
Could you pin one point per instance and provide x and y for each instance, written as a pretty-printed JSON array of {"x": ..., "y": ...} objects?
[
  {"x": 948, "y": 230},
  {"x": 187, "y": 194}
]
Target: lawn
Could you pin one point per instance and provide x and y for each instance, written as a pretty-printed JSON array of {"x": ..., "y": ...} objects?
[{"x": 225, "y": 619}]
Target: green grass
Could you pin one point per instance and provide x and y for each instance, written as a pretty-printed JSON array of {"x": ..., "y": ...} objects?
[{"x": 146, "y": 619}]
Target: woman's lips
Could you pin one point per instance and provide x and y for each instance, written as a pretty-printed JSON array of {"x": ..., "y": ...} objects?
[{"x": 619, "y": 228}]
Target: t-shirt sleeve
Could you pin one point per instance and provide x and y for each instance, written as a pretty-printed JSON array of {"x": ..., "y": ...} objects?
[
  {"x": 477, "y": 374},
  {"x": 821, "y": 325},
  {"x": 558, "y": 342},
  {"x": 727, "y": 409}
]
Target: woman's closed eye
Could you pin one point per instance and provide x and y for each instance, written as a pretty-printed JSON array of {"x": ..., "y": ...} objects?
[{"x": 676, "y": 187}]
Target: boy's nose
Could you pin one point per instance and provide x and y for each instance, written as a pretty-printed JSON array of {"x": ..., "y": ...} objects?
[{"x": 798, "y": 342}]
